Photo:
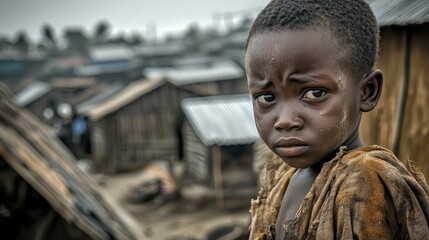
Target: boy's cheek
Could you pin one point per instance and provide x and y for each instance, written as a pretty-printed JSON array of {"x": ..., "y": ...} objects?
[{"x": 259, "y": 127}]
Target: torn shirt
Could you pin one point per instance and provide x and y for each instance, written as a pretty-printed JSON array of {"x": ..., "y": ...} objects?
[{"x": 366, "y": 193}]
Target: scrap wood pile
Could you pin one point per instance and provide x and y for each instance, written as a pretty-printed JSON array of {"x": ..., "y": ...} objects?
[{"x": 30, "y": 151}]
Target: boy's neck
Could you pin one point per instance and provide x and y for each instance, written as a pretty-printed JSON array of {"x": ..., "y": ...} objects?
[
  {"x": 350, "y": 144},
  {"x": 353, "y": 142}
]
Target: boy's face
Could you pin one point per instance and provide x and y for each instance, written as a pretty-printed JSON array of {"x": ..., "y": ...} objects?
[{"x": 306, "y": 102}]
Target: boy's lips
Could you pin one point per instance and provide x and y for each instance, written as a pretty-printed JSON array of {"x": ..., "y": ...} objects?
[{"x": 290, "y": 147}]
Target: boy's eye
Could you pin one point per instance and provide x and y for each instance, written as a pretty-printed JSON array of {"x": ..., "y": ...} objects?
[
  {"x": 266, "y": 98},
  {"x": 314, "y": 93}
]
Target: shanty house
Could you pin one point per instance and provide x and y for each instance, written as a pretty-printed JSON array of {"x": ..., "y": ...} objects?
[
  {"x": 111, "y": 63},
  {"x": 401, "y": 119},
  {"x": 136, "y": 125},
  {"x": 81, "y": 133},
  {"x": 15, "y": 68},
  {"x": 219, "y": 76},
  {"x": 38, "y": 96},
  {"x": 62, "y": 65},
  {"x": 232, "y": 44},
  {"x": 35, "y": 97},
  {"x": 218, "y": 134},
  {"x": 74, "y": 89},
  {"x": 160, "y": 54}
]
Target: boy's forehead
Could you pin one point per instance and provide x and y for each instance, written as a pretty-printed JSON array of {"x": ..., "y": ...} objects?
[
  {"x": 290, "y": 41},
  {"x": 299, "y": 33},
  {"x": 306, "y": 48}
]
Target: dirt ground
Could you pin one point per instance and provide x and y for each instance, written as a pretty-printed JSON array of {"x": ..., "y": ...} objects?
[{"x": 179, "y": 219}]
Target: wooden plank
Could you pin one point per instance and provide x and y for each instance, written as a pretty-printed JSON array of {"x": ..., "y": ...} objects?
[
  {"x": 377, "y": 126},
  {"x": 32, "y": 150},
  {"x": 217, "y": 175},
  {"x": 414, "y": 139}
]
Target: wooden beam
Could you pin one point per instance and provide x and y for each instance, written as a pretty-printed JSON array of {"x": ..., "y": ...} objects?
[
  {"x": 217, "y": 175},
  {"x": 32, "y": 151}
]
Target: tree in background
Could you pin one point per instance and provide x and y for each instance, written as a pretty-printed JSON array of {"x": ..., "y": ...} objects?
[
  {"x": 193, "y": 36},
  {"x": 136, "y": 39},
  {"x": 76, "y": 40},
  {"x": 22, "y": 42},
  {"x": 48, "y": 37},
  {"x": 101, "y": 32},
  {"x": 5, "y": 43}
]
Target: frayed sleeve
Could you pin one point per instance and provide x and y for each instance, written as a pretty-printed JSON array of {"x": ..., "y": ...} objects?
[{"x": 374, "y": 200}]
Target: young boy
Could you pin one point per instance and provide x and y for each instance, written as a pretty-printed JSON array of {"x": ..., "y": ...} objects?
[{"x": 310, "y": 69}]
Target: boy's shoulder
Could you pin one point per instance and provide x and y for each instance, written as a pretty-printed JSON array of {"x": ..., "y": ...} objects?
[
  {"x": 377, "y": 160},
  {"x": 376, "y": 165},
  {"x": 372, "y": 158}
]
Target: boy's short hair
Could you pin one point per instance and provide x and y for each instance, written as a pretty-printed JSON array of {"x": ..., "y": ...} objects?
[{"x": 351, "y": 21}]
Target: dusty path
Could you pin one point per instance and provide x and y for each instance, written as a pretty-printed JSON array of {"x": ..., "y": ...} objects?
[{"x": 175, "y": 219}]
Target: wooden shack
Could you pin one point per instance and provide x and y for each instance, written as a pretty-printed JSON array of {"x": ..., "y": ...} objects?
[
  {"x": 36, "y": 96},
  {"x": 219, "y": 76},
  {"x": 160, "y": 54},
  {"x": 401, "y": 119},
  {"x": 111, "y": 63},
  {"x": 218, "y": 135},
  {"x": 16, "y": 68},
  {"x": 44, "y": 195},
  {"x": 136, "y": 125}
]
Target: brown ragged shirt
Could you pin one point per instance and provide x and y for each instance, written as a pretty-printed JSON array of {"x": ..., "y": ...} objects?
[{"x": 366, "y": 193}]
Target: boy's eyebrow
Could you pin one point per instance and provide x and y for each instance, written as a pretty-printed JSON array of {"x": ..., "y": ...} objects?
[
  {"x": 263, "y": 84},
  {"x": 299, "y": 79},
  {"x": 303, "y": 79}
]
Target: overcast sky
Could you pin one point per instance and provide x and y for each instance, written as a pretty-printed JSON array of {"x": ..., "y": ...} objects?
[{"x": 124, "y": 16}]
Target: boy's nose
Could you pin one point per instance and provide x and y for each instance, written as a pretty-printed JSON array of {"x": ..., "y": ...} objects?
[{"x": 288, "y": 120}]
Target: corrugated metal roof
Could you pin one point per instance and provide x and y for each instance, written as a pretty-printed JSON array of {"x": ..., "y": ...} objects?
[
  {"x": 222, "y": 120},
  {"x": 111, "y": 52},
  {"x": 198, "y": 60},
  {"x": 32, "y": 92},
  {"x": 400, "y": 12},
  {"x": 10, "y": 66},
  {"x": 72, "y": 82},
  {"x": 183, "y": 75},
  {"x": 86, "y": 105},
  {"x": 104, "y": 68},
  {"x": 156, "y": 50},
  {"x": 128, "y": 94}
]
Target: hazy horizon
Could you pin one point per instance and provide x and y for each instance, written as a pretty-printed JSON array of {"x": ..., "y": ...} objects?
[{"x": 124, "y": 16}]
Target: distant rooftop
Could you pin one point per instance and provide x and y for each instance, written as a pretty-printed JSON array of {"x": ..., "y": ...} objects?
[
  {"x": 122, "y": 97},
  {"x": 111, "y": 52},
  {"x": 160, "y": 50},
  {"x": 222, "y": 120},
  {"x": 184, "y": 74},
  {"x": 104, "y": 68},
  {"x": 32, "y": 92},
  {"x": 86, "y": 105}
]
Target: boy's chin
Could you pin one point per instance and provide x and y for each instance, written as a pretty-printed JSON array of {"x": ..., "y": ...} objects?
[{"x": 296, "y": 163}]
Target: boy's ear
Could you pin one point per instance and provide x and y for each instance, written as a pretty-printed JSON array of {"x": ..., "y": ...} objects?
[{"x": 370, "y": 88}]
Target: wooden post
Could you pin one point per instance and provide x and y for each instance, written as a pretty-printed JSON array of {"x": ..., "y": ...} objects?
[
  {"x": 217, "y": 175},
  {"x": 403, "y": 92}
]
